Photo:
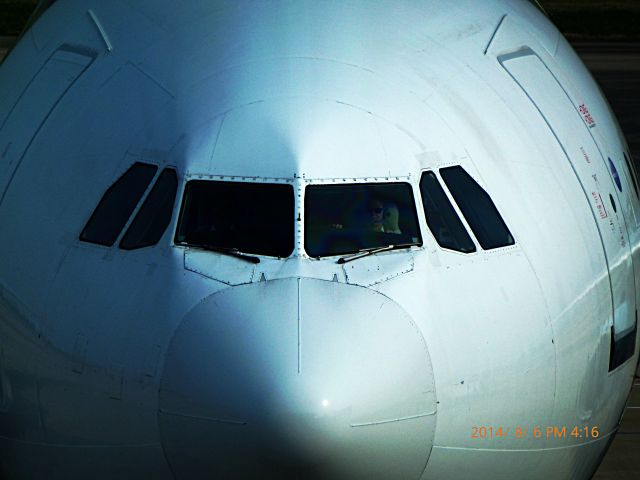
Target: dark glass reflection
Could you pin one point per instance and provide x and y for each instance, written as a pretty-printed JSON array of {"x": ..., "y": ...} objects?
[
  {"x": 155, "y": 214},
  {"x": 117, "y": 205},
  {"x": 442, "y": 219},
  {"x": 478, "y": 209},
  {"x": 250, "y": 217},
  {"x": 342, "y": 219}
]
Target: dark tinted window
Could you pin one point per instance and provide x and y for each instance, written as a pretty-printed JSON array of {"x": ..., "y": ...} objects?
[
  {"x": 478, "y": 209},
  {"x": 117, "y": 204},
  {"x": 632, "y": 173},
  {"x": 154, "y": 215},
  {"x": 251, "y": 217},
  {"x": 343, "y": 219},
  {"x": 623, "y": 348},
  {"x": 442, "y": 219}
]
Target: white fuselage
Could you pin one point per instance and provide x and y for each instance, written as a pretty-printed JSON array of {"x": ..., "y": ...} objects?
[{"x": 177, "y": 362}]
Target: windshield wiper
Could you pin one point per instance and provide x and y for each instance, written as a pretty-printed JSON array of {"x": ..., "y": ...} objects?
[
  {"x": 365, "y": 252},
  {"x": 232, "y": 252}
]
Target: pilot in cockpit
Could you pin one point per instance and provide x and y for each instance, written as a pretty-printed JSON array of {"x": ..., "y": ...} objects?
[
  {"x": 385, "y": 218},
  {"x": 391, "y": 221},
  {"x": 376, "y": 210},
  {"x": 380, "y": 218}
]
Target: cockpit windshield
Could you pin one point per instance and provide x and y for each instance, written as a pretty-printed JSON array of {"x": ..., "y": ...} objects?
[
  {"x": 349, "y": 218},
  {"x": 238, "y": 216}
]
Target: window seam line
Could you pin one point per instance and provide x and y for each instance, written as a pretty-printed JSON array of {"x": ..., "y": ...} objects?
[{"x": 135, "y": 211}]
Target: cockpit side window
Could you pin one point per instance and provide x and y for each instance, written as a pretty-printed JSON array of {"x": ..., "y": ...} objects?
[
  {"x": 154, "y": 216},
  {"x": 347, "y": 218},
  {"x": 248, "y": 217},
  {"x": 117, "y": 205},
  {"x": 442, "y": 219},
  {"x": 477, "y": 208}
]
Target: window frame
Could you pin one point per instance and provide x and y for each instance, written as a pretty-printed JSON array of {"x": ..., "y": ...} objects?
[
  {"x": 143, "y": 203},
  {"x": 471, "y": 230},
  {"x": 191, "y": 177},
  {"x": 354, "y": 182},
  {"x": 456, "y": 209},
  {"x": 133, "y": 212}
]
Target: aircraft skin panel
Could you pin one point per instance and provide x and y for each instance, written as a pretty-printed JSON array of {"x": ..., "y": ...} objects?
[
  {"x": 591, "y": 169},
  {"x": 597, "y": 352},
  {"x": 45, "y": 90},
  {"x": 363, "y": 416},
  {"x": 22, "y": 67},
  {"x": 609, "y": 137},
  {"x": 568, "y": 462},
  {"x": 548, "y": 213},
  {"x": 113, "y": 352},
  {"x": 140, "y": 460},
  {"x": 491, "y": 397},
  {"x": 89, "y": 169}
]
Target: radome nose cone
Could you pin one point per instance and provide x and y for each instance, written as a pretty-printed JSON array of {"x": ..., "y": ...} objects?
[{"x": 297, "y": 377}]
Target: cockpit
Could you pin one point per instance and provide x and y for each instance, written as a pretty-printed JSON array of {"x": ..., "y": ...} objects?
[
  {"x": 249, "y": 217},
  {"x": 259, "y": 218},
  {"x": 342, "y": 219},
  {"x": 253, "y": 218}
]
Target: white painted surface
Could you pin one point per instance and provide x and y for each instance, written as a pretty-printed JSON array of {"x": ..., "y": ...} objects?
[{"x": 309, "y": 92}]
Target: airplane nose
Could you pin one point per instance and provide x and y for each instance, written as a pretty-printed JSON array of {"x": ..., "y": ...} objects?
[{"x": 297, "y": 378}]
